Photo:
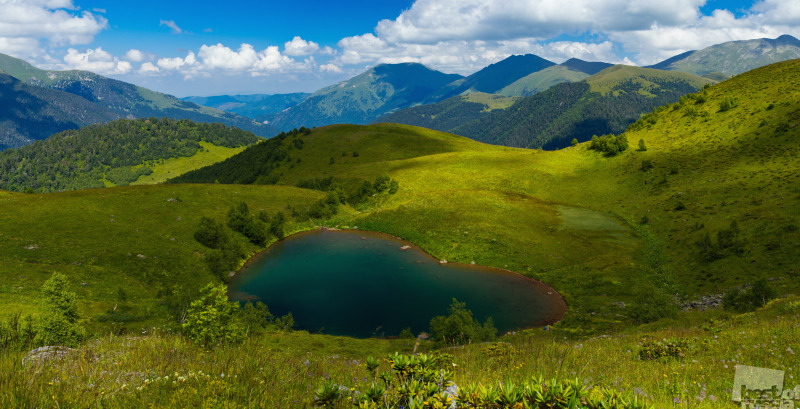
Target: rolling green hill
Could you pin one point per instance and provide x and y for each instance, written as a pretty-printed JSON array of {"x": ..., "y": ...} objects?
[
  {"x": 261, "y": 107},
  {"x": 116, "y": 153},
  {"x": 125, "y": 99},
  {"x": 369, "y": 95},
  {"x": 606, "y": 102},
  {"x": 450, "y": 113},
  {"x": 571, "y": 70},
  {"x": 29, "y": 113},
  {"x": 492, "y": 78},
  {"x": 734, "y": 57}
]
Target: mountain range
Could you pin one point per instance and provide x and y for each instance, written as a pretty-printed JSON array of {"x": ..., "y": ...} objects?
[
  {"x": 606, "y": 102},
  {"x": 389, "y": 88},
  {"x": 261, "y": 107},
  {"x": 100, "y": 99},
  {"x": 733, "y": 57}
]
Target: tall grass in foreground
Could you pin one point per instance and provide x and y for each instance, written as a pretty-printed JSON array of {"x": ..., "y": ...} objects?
[{"x": 283, "y": 370}]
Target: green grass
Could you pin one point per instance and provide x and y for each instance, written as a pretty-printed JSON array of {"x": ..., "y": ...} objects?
[
  {"x": 172, "y": 167},
  {"x": 139, "y": 238},
  {"x": 492, "y": 101},
  {"x": 281, "y": 370}
]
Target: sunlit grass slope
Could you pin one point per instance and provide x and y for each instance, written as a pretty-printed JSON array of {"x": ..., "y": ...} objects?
[
  {"x": 137, "y": 238},
  {"x": 169, "y": 168}
]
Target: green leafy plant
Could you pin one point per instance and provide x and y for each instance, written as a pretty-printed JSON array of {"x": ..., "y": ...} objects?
[
  {"x": 212, "y": 319},
  {"x": 460, "y": 327}
]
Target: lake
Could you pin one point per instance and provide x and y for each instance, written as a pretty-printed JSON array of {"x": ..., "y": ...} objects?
[{"x": 361, "y": 284}]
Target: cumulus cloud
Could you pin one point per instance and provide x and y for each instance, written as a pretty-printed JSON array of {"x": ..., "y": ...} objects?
[
  {"x": 298, "y": 47},
  {"x": 465, "y": 35},
  {"x": 431, "y": 21},
  {"x": 148, "y": 68},
  {"x": 178, "y": 63},
  {"x": 220, "y": 58},
  {"x": 23, "y": 24},
  {"x": 135, "y": 55},
  {"x": 330, "y": 68},
  {"x": 172, "y": 25},
  {"x": 96, "y": 60}
]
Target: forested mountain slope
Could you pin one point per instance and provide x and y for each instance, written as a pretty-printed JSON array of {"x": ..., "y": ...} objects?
[{"x": 116, "y": 153}]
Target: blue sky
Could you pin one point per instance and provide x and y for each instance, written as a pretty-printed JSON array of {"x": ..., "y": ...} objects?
[{"x": 243, "y": 47}]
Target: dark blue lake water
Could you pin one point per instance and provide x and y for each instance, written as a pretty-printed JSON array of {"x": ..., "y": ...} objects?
[{"x": 361, "y": 284}]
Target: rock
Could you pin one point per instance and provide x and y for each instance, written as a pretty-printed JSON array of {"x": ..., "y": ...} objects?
[
  {"x": 404, "y": 248},
  {"x": 172, "y": 200},
  {"x": 618, "y": 304},
  {"x": 32, "y": 247},
  {"x": 443, "y": 261},
  {"x": 43, "y": 354},
  {"x": 451, "y": 391},
  {"x": 141, "y": 256}
]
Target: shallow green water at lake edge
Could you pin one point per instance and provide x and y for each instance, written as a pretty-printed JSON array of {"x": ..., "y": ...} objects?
[{"x": 362, "y": 284}]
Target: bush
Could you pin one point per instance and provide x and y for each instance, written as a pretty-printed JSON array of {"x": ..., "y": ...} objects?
[
  {"x": 460, "y": 327},
  {"x": 60, "y": 326},
  {"x": 758, "y": 295},
  {"x": 651, "y": 304},
  {"x": 609, "y": 144},
  {"x": 210, "y": 233},
  {"x": 212, "y": 319},
  {"x": 676, "y": 348},
  {"x": 647, "y": 164}
]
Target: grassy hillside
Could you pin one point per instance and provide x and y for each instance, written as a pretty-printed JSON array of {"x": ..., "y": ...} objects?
[
  {"x": 606, "y": 102},
  {"x": 117, "y": 153},
  {"x": 125, "y": 99},
  {"x": 601, "y": 230},
  {"x": 571, "y": 70},
  {"x": 29, "y": 113},
  {"x": 492, "y": 78},
  {"x": 542, "y": 80},
  {"x": 369, "y": 95},
  {"x": 450, "y": 113},
  {"x": 139, "y": 238}
]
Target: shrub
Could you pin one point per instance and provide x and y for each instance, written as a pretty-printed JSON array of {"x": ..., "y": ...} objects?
[
  {"x": 210, "y": 233},
  {"x": 677, "y": 348},
  {"x": 60, "y": 326},
  {"x": 651, "y": 304},
  {"x": 609, "y": 144},
  {"x": 757, "y": 295},
  {"x": 460, "y": 327},
  {"x": 728, "y": 103},
  {"x": 642, "y": 145},
  {"x": 212, "y": 319},
  {"x": 647, "y": 164}
]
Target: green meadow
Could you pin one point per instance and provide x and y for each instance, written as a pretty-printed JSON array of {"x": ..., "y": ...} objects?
[{"x": 710, "y": 204}]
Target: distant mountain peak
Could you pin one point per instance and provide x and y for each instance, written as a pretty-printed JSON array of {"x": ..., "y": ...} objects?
[{"x": 734, "y": 57}]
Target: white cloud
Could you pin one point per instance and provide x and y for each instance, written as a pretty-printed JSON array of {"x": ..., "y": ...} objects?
[
  {"x": 172, "y": 25},
  {"x": 148, "y": 68},
  {"x": 298, "y": 46},
  {"x": 96, "y": 60},
  {"x": 178, "y": 63},
  {"x": 219, "y": 56},
  {"x": 432, "y": 21},
  {"x": 135, "y": 55},
  {"x": 24, "y": 23},
  {"x": 465, "y": 35},
  {"x": 330, "y": 68}
]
